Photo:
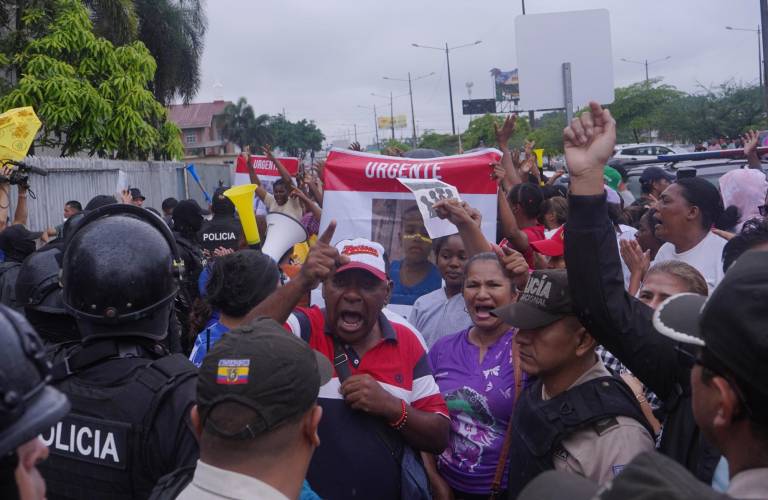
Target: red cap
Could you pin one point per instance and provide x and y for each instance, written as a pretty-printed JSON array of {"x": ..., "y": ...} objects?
[{"x": 554, "y": 246}]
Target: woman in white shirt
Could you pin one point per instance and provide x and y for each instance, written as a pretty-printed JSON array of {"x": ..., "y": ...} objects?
[{"x": 687, "y": 211}]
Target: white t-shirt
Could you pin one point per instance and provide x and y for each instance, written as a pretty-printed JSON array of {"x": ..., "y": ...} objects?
[
  {"x": 292, "y": 207},
  {"x": 706, "y": 257}
]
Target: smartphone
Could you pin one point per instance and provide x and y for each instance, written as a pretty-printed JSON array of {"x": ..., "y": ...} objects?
[{"x": 686, "y": 173}]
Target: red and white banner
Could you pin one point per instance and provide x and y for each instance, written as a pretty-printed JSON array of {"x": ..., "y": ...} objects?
[
  {"x": 267, "y": 172},
  {"x": 364, "y": 196}
]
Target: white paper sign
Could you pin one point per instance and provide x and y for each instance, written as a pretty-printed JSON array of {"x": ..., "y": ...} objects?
[
  {"x": 427, "y": 193},
  {"x": 122, "y": 183}
]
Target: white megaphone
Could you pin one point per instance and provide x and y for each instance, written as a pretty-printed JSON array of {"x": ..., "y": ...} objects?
[{"x": 283, "y": 231}]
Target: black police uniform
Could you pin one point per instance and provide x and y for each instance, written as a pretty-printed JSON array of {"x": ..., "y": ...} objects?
[
  {"x": 221, "y": 231},
  {"x": 129, "y": 423},
  {"x": 540, "y": 426}
]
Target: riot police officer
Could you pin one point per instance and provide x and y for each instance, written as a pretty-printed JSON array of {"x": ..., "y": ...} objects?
[
  {"x": 130, "y": 398},
  {"x": 39, "y": 293},
  {"x": 28, "y": 406}
]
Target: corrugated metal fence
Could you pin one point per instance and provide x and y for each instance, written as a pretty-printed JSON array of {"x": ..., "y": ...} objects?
[{"x": 83, "y": 178}]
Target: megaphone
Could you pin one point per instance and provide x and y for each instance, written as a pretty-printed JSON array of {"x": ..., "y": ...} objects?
[
  {"x": 191, "y": 169},
  {"x": 283, "y": 232},
  {"x": 242, "y": 197}
]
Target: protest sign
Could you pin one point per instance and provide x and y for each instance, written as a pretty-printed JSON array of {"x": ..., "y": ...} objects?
[
  {"x": 363, "y": 193},
  {"x": 267, "y": 172},
  {"x": 428, "y": 192}
]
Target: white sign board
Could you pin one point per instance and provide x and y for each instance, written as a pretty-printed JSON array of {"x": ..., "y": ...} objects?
[
  {"x": 546, "y": 41},
  {"x": 428, "y": 192}
]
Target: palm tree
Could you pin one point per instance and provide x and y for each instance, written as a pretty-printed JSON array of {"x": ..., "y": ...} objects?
[
  {"x": 243, "y": 127},
  {"x": 172, "y": 30}
]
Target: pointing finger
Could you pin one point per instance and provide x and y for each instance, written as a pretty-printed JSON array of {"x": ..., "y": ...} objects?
[{"x": 328, "y": 233}]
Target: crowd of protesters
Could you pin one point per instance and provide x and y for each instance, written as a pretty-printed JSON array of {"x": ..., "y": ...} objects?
[{"x": 604, "y": 346}]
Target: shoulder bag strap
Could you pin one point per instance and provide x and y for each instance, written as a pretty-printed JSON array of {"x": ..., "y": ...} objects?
[
  {"x": 498, "y": 475},
  {"x": 340, "y": 360}
]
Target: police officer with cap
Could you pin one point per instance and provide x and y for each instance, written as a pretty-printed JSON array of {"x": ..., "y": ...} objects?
[
  {"x": 129, "y": 423},
  {"x": 223, "y": 230},
  {"x": 28, "y": 407}
]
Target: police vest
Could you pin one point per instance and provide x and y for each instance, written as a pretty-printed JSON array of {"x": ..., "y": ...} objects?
[
  {"x": 540, "y": 426},
  {"x": 100, "y": 449}
]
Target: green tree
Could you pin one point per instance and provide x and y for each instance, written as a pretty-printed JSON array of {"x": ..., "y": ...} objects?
[
  {"x": 296, "y": 139},
  {"x": 481, "y": 132},
  {"x": 172, "y": 30},
  {"x": 446, "y": 143},
  {"x": 243, "y": 127},
  {"x": 90, "y": 96},
  {"x": 548, "y": 133},
  {"x": 638, "y": 108}
]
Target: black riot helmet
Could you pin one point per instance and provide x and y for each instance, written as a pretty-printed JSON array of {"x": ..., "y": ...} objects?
[
  {"x": 120, "y": 273},
  {"x": 28, "y": 405},
  {"x": 37, "y": 286}
]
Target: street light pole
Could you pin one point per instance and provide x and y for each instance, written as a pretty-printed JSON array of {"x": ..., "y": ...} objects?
[
  {"x": 646, "y": 63},
  {"x": 375, "y": 123},
  {"x": 392, "y": 115},
  {"x": 450, "y": 88},
  {"x": 759, "y": 49},
  {"x": 448, "y": 64},
  {"x": 410, "y": 93}
]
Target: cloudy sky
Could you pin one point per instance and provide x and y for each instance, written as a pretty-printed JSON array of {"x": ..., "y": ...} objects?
[{"x": 322, "y": 59}]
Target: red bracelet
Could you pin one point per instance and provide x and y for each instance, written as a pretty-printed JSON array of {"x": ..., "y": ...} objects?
[{"x": 400, "y": 422}]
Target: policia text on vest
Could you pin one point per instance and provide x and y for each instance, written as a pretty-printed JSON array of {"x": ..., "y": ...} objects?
[{"x": 89, "y": 440}]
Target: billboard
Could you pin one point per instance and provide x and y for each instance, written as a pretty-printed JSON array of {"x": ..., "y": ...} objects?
[
  {"x": 385, "y": 122},
  {"x": 478, "y": 106},
  {"x": 507, "y": 84}
]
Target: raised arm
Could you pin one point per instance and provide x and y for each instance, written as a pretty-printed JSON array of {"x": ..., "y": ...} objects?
[
  {"x": 253, "y": 176},
  {"x": 750, "y": 149},
  {"x": 618, "y": 321},
  {"x": 21, "y": 213},
  {"x": 467, "y": 220},
  {"x": 284, "y": 174},
  {"x": 311, "y": 205},
  {"x": 321, "y": 263},
  {"x": 503, "y": 135}
]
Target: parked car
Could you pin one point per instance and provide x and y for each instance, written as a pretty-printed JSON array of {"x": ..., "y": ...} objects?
[
  {"x": 642, "y": 151},
  {"x": 710, "y": 170}
]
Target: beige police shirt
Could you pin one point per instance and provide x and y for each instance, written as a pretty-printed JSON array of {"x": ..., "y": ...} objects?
[
  {"x": 601, "y": 451},
  {"x": 292, "y": 207},
  {"x": 213, "y": 483}
]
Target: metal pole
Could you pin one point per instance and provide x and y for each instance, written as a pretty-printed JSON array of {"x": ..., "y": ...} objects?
[
  {"x": 355, "y": 125},
  {"x": 392, "y": 115},
  {"x": 376, "y": 127},
  {"x": 760, "y": 55},
  {"x": 413, "y": 115},
  {"x": 523, "y": 7},
  {"x": 646, "y": 71},
  {"x": 568, "y": 93},
  {"x": 763, "y": 22},
  {"x": 450, "y": 89}
]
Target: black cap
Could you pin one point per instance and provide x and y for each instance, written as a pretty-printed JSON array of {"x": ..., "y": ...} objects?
[
  {"x": 546, "y": 299},
  {"x": 221, "y": 205},
  {"x": 17, "y": 242},
  {"x": 136, "y": 194},
  {"x": 188, "y": 209},
  {"x": 265, "y": 368},
  {"x": 649, "y": 475},
  {"x": 653, "y": 174},
  {"x": 731, "y": 323}
]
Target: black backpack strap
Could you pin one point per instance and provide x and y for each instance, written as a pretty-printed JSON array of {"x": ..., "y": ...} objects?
[
  {"x": 171, "y": 485},
  {"x": 88, "y": 355},
  {"x": 340, "y": 360}
]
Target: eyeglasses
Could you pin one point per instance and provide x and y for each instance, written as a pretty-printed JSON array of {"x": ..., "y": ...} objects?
[{"x": 763, "y": 210}]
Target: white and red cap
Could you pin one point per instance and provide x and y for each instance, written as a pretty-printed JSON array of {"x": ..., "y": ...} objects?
[{"x": 363, "y": 254}]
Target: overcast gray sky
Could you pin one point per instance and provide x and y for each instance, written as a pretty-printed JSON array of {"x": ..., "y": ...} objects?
[{"x": 320, "y": 59}]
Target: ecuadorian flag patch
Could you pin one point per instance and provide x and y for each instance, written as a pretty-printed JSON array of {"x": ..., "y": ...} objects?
[{"x": 232, "y": 371}]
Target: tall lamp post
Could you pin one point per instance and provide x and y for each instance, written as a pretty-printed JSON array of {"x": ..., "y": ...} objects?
[
  {"x": 759, "y": 56},
  {"x": 410, "y": 93},
  {"x": 391, "y": 111},
  {"x": 375, "y": 123},
  {"x": 447, "y": 51},
  {"x": 646, "y": 63}
]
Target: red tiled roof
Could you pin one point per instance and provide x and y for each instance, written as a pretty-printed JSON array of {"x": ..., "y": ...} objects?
[{"x": 199, "y": 115}]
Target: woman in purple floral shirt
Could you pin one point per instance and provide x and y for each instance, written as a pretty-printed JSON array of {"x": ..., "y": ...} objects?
[{"x": 475, "y": 371}]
